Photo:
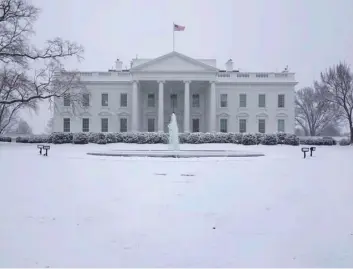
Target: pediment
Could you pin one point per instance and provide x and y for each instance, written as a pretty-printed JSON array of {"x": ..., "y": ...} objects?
[
  {"x": 262, "y": 115},
  {"x": 282, "y": 115},
  {"x": 243, "y": 115},
  {"x": 104, "y": 114},
  {"x": 123, "y": 114},
  {"x": 66, "y": 114},
  {"x": 85, "y": 114},
  {"x": 174, "y": 62},
  {"x": 224, "y": 115}
]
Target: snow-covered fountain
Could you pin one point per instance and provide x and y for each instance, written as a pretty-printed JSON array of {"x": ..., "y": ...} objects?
[
  {"x": 174, "y": 150},
  {"x": 173, "y": 134}
]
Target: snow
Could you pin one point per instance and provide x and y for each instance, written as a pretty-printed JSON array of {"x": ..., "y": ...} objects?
[{"x": 74, "y": 210}]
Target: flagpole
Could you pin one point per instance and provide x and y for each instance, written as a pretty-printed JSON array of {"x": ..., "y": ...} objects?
[{"x": 173, "y": 37}]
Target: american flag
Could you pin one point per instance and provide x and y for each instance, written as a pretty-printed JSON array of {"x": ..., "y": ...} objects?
[{"x": 178, "y": 27}]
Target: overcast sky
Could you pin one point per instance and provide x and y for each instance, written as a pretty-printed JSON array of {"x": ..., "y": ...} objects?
[{"x": 259, "y": 35}]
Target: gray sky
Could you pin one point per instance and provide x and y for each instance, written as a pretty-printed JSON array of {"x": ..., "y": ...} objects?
[{"x": 259, "y": 35}]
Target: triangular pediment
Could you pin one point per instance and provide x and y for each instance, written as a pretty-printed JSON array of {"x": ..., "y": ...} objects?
[
  {"x": 174, "y": 62},
  {"x": 104, "y": 114},
  {"x": 85, "y": 114}
]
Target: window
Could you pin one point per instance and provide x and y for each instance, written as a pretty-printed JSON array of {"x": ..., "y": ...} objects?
[
  {"x": 242, "y": 125},
  {"x": 262, "y": 100},
  {"x": 223, "y": 125},
  {"x": 104, "y": 125},
  {"x": 281, "y": 100},
  {"x": 150, "y": 125},
  {"x": 123, "y": 100},
  {"x": 195, "y": 100},
  {"x": 280, "y": 125},
  {"x": 174, "y": 100},
  {"x": 262, "y": 127},
  {"x": 85, "y": 125},
  {"x": 104, "y": 99},
  {"x": 123, "y": 125},
  {"x": 224, "y": 101},
  {"x": 242, "y": 100},
  {"x": 67, "y": 100},
  {"x": 66, "y": 125},
  {"x": 196, "y": 125},
  {"x": 150, "y": 100},
  {"x": 85, "y": 99}
]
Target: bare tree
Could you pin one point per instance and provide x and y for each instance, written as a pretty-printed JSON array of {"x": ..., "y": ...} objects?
[
  {"x": 337, "y": 88},
  {"x": 8, "y": 118},
  {"x": 49, "y": 127},
  {"x": 313, "y": 112},
  {"x": 23, "y": 128},
  {"x": 22, "y": 86}
]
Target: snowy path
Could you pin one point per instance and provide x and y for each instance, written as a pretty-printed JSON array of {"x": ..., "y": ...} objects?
[{"x": 75, "y": 210}]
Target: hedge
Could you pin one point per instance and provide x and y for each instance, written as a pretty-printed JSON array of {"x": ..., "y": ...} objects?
[
  {"x": 162, "y": 138},
  {"x": 345, "y": 142},
  {"x": 317, "y": 141},
  {"x": 5, "y": 139}
]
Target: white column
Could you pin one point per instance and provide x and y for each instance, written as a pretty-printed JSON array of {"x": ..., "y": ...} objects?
[
  {"x": 213, "y": 107},
  {"x": 135, "y": 110},
  {"x": 187, "y": 107},
  {"x": 161, "y": 106}
]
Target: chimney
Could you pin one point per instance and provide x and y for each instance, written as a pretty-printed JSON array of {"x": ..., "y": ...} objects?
[
  {"x": 229, "y": 65},
  {"x": 118, "y": 65}
]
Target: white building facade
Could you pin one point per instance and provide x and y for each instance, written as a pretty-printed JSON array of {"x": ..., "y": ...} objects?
[{"x": 203, "y": 97}]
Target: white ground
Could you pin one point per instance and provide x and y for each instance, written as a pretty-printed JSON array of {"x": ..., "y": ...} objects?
[{"x": 75, "y": 210}]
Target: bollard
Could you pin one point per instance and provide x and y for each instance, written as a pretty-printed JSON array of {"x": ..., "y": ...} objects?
[
  {"x": 311, "y": 151},
  {"x": 305, "y": 150}
]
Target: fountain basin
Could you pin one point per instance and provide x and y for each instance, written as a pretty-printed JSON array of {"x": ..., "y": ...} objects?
[{"x": 177, "y": 153}]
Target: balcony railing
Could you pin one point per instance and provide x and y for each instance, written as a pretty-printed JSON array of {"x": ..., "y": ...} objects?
[{"x": 240, "y": 76}]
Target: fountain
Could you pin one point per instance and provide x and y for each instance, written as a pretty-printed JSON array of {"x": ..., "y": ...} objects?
[
  {"x": 173, "y": 134},
  {"x": 173, "y": 150}
]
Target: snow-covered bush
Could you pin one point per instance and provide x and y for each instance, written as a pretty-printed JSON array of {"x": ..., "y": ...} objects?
[
  {"x": 292, "y": 140},
  {"x": 38, "y": 139},
  {"x": 5, "y": 139},
  {"x": 60, "y": 138},
  {"x": 222, "y": 138},
  {"x": 101, "y": 139},
  {"x": 316, "y": 141},
  {"x": 194, "y": 138},
  {"x": 208, "y": 138},
  {"x": 130, "y": 138},
  {"x": 269, "y": 139},
  {"x": 80, "y": 138},
  {"x": 22, "y": 139},
  {"x": 183, "y": 138},
  {"x": 119, "y": 137},
  {"x": 111, "y": 138},
  {"x": 237, "y": 138},
  {"x": 259, "y": 137},
  {"x": 249, "y": 139},
  {"x": 93, "y": 137},
  {"x": 344, "y": 142},
  {"x": 162, "y": 138},
  {"x": 281, "y": 137}
]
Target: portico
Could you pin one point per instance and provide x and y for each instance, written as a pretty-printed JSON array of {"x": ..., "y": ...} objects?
[
  {"x": 153, "y": 102},
  {"x": 174, "y": 79}
]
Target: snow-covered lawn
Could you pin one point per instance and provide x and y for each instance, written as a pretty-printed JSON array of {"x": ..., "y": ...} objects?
[{"x": 75, "y": 210}]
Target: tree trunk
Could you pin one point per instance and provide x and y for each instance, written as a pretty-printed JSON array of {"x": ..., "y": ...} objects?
[{"x": 351, "y": 129}]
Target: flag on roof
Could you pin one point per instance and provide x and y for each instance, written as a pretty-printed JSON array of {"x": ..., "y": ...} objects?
[{"x": 178, "y": 27}]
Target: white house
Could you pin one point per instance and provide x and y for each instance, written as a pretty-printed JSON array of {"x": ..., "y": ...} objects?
[{"x": 203, "y": 97}]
